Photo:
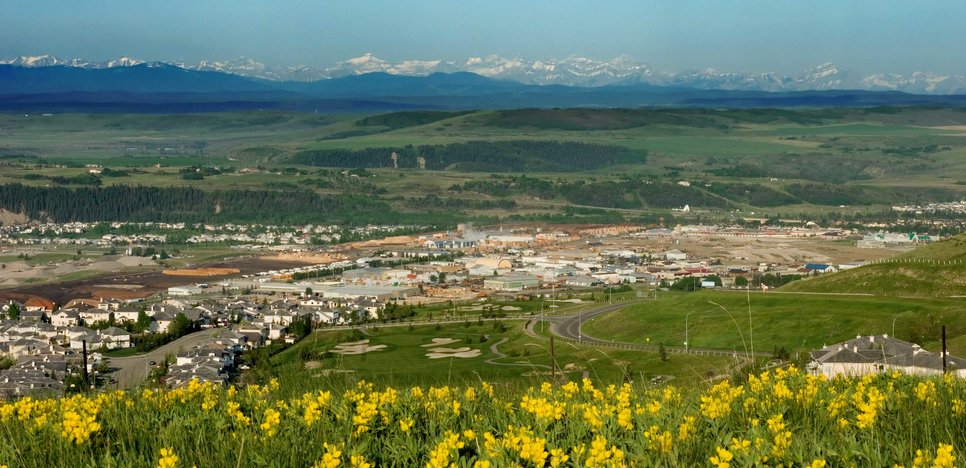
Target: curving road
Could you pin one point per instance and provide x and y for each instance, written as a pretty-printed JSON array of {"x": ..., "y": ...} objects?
[
  {"x": 130, "y": 371},
  {"x": 568, "y": 326}
]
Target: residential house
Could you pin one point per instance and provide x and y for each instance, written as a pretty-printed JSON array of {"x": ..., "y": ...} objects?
[
  {"x": 27, "y": 347},
  {"x": 881, "y": 353},
  {"x": 93, "y": 341},
  {"x": 36, "y": 304},
  {"x": 257, "y": 334},
  {"x": 35, "y": 315},
  {"x": 115, "y": 338},
  {"x": 162, "y": 320},
  {"x": 65, "y": 318},
  {"x": 90, "y": 316},
  {"x": 126, "y": 313}
]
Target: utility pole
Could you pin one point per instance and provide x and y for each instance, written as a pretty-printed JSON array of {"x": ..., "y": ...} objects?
[
  {"x": 944, "y": 349},
  {"x": 87, "y": 383}
]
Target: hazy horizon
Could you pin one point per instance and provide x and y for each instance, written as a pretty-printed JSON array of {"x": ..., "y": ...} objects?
[{"x": 864, "y": 36}]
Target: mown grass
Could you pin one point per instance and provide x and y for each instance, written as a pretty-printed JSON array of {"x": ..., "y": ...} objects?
[
  {"x": 519, "y": 360},
  {"x": 720, "y": 319}
]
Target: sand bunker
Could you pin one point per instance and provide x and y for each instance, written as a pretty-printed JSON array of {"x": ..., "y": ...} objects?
[
  {"x": 465, "y": 353},
  {"x": 510, "y": 308},
  {"x": 441, "y": 342},
  {"x": 356, "y": 347}
]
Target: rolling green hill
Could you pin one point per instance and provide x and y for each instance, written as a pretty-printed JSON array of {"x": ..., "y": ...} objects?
[
  {"x": 933, "y": 270},
  {"x": 625, "y": 165},
  {"x": 797, "y": 322}
]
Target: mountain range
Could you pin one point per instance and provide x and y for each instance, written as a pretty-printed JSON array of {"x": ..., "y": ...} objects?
[
  {"x": 47, "y": 85},
  {"x": 570, "y": 71}
]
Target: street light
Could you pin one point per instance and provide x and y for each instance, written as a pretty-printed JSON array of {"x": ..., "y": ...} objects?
[
  {"x": 686, "y": 348},
  {"x": 894, "y": 323}
]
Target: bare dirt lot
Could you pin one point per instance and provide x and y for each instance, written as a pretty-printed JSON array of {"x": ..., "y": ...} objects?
[
  {"x": 138, "y": 284},
  {"x": 754, "y": 250}
]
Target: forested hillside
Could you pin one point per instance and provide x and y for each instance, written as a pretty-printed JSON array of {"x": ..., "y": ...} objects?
[{"x": 175, "y": 204}]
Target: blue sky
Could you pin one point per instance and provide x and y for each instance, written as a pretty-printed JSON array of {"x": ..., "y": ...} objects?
[{"x": 741, "y": 35}]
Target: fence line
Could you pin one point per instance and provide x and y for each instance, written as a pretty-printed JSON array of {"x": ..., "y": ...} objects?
[
  {"x": 917, "y": 260},
  {"x": 657, "y": 348}
]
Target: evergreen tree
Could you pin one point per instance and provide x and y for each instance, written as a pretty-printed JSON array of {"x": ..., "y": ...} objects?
[{"x": 13, "y": 312}]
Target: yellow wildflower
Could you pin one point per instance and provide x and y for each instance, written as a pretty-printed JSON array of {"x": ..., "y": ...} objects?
[
  {"x": 168, "y": 459},
  {"x": 332, "y": 457},
  {"x": 270, "y": 422},
  {"x": 359, "y": 461},
  {"x": 558, "y": 457},
  {"x": 686, "y": 430},
  {"x": 722, "y": 459},
  {"x": 405, "y": 424}
]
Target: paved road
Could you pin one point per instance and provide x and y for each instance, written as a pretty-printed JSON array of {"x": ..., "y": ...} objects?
[
  {"x": 132, "y": 370},
  {"x": 568, "y": 327}
]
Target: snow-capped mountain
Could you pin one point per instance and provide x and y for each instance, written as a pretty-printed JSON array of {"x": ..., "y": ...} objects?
[
  {"x": 570, "y": 71},
  {"x": 51, "y": 61}
]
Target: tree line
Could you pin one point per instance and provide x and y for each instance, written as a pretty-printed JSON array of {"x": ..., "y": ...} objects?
[{"x": 188, "y": 204}]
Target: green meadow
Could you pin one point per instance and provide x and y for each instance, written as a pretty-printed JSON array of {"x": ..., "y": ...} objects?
[{"x": 737, "y": 320}]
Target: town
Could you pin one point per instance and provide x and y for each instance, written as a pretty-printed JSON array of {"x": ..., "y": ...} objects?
[{"x": 457, "y": 274}]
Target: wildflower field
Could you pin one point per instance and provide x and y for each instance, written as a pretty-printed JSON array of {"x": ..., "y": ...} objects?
[{"x": 779, "y": 418}]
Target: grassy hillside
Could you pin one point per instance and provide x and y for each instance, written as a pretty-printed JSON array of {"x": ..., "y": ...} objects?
[
  {"x": 933, "y": 270},
  {"x": 793, "y": 321}
]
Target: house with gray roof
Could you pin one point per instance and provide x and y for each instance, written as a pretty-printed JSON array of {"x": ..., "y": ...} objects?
[{"x": 881, "y": 353}]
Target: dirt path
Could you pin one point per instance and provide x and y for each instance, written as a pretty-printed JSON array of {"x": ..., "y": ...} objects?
[{"x": 495, "y": 349}]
